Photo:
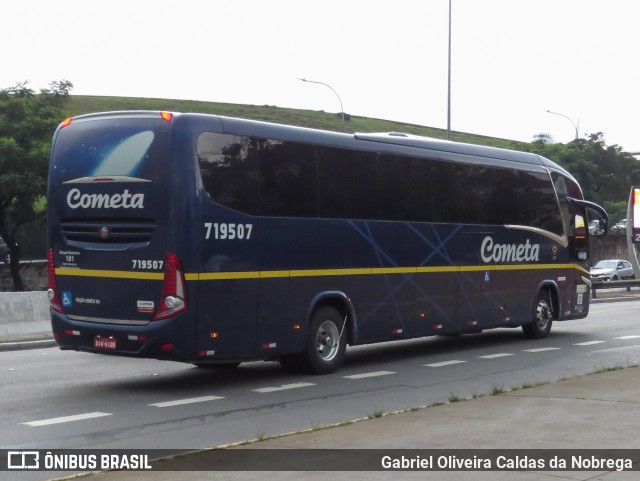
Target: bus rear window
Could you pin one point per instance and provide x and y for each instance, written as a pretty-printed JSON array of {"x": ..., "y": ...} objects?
[{"x": 131, "y": 148}]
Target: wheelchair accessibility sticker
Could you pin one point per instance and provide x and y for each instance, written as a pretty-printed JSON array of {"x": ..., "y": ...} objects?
[{"x": 67, "y": 299}]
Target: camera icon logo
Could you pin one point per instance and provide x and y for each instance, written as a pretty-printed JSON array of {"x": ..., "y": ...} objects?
[{"x": 23, "y": 460}]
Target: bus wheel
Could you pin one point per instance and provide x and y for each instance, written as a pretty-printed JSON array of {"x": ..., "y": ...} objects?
[
  {"x": 326, "y": 342},
  {"x": 543, "y": 318}
]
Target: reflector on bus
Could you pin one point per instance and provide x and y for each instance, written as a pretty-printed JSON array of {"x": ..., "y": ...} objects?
[{"x": 54, "y": 299}]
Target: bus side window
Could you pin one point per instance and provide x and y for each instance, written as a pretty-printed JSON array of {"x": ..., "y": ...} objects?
[{"x": 229, "y": 170}]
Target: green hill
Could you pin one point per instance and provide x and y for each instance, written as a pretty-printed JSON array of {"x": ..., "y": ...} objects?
[{"x": 83, "y": 104}]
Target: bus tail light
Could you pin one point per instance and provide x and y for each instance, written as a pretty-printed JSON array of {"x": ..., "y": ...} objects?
[
  {"x": 581, "y": 238},
  {"x": 52, "y": 293},
  {"x": 174, "y": 294}
]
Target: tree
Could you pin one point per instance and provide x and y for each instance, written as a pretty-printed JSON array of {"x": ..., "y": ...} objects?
[
  {"x": 606, "y": 173},
  {"x": 27, "y": 122}
]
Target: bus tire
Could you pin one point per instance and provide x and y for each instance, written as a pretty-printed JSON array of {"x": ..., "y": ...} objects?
[
  {"x": 540, "y": 326},
  {"x": 326, "y": 342}
]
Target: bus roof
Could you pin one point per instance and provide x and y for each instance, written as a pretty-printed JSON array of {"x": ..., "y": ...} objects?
[
  {"x": 232, "y": 125},
  {"x": 312, "y": 135},
  {"x": 442, "y": 145},
  {"x": 430, "y": 143}
]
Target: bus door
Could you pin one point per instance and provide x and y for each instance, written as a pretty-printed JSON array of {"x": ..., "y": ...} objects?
[
  {"x": 228, "y": 286},
  {"x": 579, "y": 251},
  {"x": 229, "y": 276},
  {"x": 474, "y": 282}
]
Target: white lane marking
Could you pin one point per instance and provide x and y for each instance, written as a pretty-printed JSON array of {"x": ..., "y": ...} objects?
[
  {"x": 589, "y": 343},
  {"x": 495, "y": 356},
  {"x": 284, "y": 387},
  {"x": 369, "y": 374},
  {"x": 180, "y": 402},
  {"x": 444, "y": 363},
  {"x": 542, "y": 349},
  {"x": 628, "y": 337},
  {"x": 67, "y": 419}
]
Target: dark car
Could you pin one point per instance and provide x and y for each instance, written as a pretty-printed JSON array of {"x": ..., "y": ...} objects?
[{"x": 5, "y": 254}]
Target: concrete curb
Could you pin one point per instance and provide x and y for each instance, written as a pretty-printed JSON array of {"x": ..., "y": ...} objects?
[
  {"x": 24, "y": 345},
  {"x": 24, "y": 317}
]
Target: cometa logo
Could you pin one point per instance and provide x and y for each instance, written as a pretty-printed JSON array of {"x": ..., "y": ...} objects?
[
  {"x": 126, "y": 200},
  {"x": 492, "y": 252}
]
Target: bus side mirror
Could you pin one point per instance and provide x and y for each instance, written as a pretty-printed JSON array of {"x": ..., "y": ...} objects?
[
  {"x": 598, "y": 227},
  {"x": 605, "y": 226},
  {"x": 601, "y": 216}
]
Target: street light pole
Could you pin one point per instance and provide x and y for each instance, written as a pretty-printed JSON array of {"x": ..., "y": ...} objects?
[
  {"x": 569, "y": 119},
  {"x": 332, "y": 89}
]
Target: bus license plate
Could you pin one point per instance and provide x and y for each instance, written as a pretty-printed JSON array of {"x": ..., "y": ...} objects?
[{"x": 105, "y": 343}]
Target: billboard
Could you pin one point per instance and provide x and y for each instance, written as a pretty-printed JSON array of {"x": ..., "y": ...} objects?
[{"x": 634, "y": 221}]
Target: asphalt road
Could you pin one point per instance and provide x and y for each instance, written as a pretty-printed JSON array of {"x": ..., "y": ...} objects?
[{"x": 53, "y": 399}]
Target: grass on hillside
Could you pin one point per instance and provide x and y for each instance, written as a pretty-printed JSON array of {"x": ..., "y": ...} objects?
[{"x": 83, "y": 104}]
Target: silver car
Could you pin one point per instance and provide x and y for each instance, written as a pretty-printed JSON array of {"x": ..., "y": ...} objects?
[
  {"x": 620, "y": 227},
  {"x": 612, "y": 270}
]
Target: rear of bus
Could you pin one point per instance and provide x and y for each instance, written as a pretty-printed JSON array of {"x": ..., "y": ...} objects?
[{"x": 116, "y": 275}]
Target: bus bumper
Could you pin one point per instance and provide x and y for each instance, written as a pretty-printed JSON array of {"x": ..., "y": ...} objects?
[{"x": 155, "y": 340}]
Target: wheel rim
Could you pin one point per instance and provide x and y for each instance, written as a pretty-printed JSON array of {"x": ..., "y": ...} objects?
[
  {"x": 328, "y": 341},
  {"x": 543, "y": 314}
]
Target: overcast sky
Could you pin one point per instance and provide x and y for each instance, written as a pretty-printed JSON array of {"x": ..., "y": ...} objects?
[{"x": 511, "y": 60}]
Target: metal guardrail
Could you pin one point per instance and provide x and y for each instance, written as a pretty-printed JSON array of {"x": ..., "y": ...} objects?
[{"x": 602, "y": 285}]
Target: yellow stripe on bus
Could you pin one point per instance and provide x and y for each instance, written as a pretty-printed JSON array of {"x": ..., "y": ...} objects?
[
  {"x": 154, "y": 276},
  {"x": 219, "y": 276}
]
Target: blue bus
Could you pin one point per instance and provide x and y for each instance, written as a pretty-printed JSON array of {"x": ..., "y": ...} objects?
[{"x": 215, "y": 240}]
